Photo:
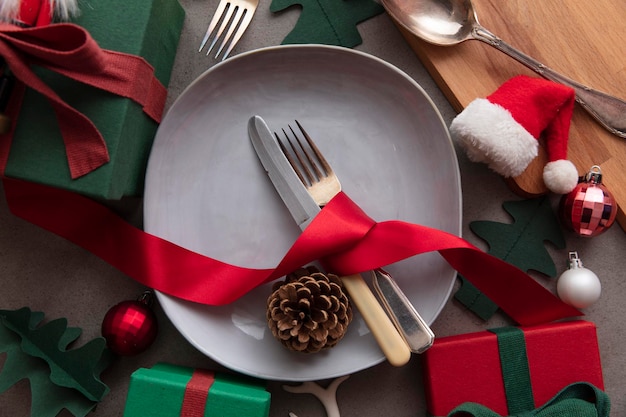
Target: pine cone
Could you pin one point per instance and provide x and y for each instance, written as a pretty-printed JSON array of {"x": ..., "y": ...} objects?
[{"x": 309, "y": 311}]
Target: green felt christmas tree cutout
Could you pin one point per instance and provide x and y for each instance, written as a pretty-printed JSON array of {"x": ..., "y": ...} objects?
[
  {"x": 520, "y": 243},
  {"x": 328, "y": 22},
  {"x": 59, "y": 378}
]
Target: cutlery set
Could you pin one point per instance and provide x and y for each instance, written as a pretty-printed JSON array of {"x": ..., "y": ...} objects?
[{"x": 306, "y": 182}]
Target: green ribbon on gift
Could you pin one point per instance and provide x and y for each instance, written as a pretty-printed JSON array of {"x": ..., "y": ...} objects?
[
  {"x": 580, "y": 399},
  {"x": 515, "y": 369}
]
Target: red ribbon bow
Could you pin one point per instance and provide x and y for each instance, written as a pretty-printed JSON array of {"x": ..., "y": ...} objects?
[
  {"x": 69, "y": 50},
  {"x": 342, "y": 236}
]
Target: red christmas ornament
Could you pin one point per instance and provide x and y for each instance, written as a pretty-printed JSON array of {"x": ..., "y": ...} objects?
[
  {"x": 590, "y": 208},
  {"x": 130, "y": 327}
]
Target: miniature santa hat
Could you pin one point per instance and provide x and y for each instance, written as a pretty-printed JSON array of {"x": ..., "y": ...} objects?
[{"x": 503, "y": 129}]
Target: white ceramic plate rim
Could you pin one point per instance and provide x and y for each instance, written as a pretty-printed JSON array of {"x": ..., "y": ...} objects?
[{"x": 180, "y": 311}]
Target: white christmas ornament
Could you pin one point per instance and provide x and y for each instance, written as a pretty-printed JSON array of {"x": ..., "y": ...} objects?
[{"x": 578, "y": 286}]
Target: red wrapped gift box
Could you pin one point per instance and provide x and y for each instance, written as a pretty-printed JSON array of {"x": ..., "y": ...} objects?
[{"x": 467, "y": 368}]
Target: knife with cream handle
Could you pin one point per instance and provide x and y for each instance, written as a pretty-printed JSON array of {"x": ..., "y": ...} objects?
[{"x": 303, "y": 209}]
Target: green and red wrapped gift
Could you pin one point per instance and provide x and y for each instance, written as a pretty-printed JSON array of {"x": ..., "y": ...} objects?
[
  {"x": 147, "y": 29},
  {"x": 167, "y": 390},
  {"x": 514, "y": 370}
]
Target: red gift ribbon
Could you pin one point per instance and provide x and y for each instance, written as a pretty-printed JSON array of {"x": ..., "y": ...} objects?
[
  {"x": 69, "y": 50},
  {"x": 196, "y": 393},
  {"x": 341, "y": 236}
]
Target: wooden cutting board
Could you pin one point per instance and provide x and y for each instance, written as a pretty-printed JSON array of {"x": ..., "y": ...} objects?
[{"x": 584, "y": 40}]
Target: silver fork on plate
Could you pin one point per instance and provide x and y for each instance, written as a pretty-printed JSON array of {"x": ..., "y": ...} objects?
[
  {"x": 234, "y": 16},
  {"x": 323, "y": 184}
]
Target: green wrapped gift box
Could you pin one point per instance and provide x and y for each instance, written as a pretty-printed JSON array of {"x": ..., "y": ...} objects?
[
  {"x": 148, "y": 28},
  {"x": 167, "y": 390}
]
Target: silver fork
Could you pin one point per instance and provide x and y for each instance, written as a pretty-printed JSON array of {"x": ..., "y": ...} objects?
[
  {"x": 323, "y": 184},
  {"x": 234, "y": 16}
]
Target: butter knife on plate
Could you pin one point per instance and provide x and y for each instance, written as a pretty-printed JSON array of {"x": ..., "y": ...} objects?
[
  {"x": 408, "y": 321},
  {"x": 303, "y": 209}
]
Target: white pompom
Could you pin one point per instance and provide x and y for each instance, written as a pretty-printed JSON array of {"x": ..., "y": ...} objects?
[{"x": 560, "y": 176}]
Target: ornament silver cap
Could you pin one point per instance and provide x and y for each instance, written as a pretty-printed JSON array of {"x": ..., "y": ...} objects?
[
  {"x": 574, "y": 260},
  {"x": 594, "y": 176}
]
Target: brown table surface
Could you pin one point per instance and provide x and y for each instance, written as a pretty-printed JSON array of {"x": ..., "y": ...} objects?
[{"x": 49, "y": 274}]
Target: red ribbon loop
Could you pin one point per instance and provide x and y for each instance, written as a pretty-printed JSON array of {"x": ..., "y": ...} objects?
[
  {"x": 60, "y": 45},
  {"x": 69, "y": 50},
  {"x": 341, "y": 235}
]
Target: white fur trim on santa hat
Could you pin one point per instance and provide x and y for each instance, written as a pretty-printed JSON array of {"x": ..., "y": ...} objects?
[
  {"x": 9, "y": 9},
  {"x": 560, "y": 176},
  {"x": 65, "y": 9},
  {"x": 489, "y": 134}
]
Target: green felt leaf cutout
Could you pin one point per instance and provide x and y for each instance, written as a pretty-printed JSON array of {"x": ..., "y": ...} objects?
[
  {"x": 59, "y": 378},
  {"x": 520, "y": 243},
  {"x": 328, "y": 22}
]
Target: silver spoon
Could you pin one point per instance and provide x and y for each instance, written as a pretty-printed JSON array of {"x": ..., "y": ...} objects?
[{"x": 449, "y": 22}]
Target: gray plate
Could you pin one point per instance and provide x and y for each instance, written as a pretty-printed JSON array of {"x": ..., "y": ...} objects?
[{"x": 206, "y": 190}]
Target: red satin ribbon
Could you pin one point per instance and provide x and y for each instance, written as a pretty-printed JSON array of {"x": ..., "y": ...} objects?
[
  {"x": 196, "y": 393},
  {"x": 342, "y": 236},
  {"x": 69, "y": 50}
]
